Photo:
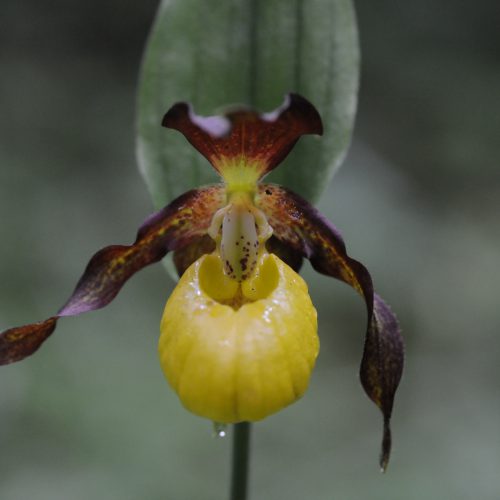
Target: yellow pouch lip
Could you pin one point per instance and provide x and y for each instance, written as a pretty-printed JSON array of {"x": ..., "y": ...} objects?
[
  {"x": 238, "y": 364},
  {"x": 220, "y": 288}
]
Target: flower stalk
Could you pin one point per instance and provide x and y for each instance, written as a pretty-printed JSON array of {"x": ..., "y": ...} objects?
[{"x": 240, "y": 461}]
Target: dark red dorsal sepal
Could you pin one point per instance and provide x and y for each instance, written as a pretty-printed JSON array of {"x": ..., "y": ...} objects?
[{"x": 245, "y": 138}]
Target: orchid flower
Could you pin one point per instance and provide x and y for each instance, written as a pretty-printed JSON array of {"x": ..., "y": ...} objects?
[{"x": 239, "y": 332}]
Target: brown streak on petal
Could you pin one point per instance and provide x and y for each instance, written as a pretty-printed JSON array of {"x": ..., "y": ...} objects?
[
  {"x": 169, "y": 229},
  {"x": 300, "y": 226},
  {"x": 186, "y": 218}
]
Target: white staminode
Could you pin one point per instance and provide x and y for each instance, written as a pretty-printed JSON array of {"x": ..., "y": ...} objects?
[{"x": 240, "y": 230}]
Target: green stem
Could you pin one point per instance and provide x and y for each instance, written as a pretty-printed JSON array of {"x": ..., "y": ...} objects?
[{"x": 240, "y": 461}]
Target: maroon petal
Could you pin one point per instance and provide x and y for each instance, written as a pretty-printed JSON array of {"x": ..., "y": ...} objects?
[
  {"x": 19, "y": 342},
  {"x": 298, "y": 224},
  {"x": 261, "y": 141},
  {"x": 185, "y": 256},
  {"x": 170, "y": 229},
  {"x": 285, "y": 252}
]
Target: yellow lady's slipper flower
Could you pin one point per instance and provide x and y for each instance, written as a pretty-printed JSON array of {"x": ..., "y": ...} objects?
[{"x": 238, "y": 335}]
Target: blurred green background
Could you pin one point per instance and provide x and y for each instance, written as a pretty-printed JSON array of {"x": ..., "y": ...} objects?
[{"x": 418, "y": 200}]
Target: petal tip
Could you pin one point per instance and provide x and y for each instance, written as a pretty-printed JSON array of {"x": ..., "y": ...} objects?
[
  {"x": 302, "y": 110},
  {"x": 22, "y": 341},
  {"x": 308, "y": 111},
  {"x": 175, "y": 114},
  {"x": 385, "y": 452}
]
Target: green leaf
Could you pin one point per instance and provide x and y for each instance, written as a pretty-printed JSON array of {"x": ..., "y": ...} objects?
[{"x": 215, "y": 54}]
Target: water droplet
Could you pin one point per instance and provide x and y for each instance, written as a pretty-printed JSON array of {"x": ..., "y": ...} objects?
[{"x": 220, "y": 430}]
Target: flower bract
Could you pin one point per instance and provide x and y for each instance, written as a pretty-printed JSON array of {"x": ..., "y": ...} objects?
[{"x": 238, "y": 334}]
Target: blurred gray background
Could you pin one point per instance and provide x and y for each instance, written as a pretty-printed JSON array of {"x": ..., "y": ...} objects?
[{"x": 418, "y": 200}]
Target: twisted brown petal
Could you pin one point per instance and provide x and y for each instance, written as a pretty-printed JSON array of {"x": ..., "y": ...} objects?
[
  {"x": 298, "y": 224},
  {"x": 262, "y": 141},
  {"x": 172, "y": 228}
]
